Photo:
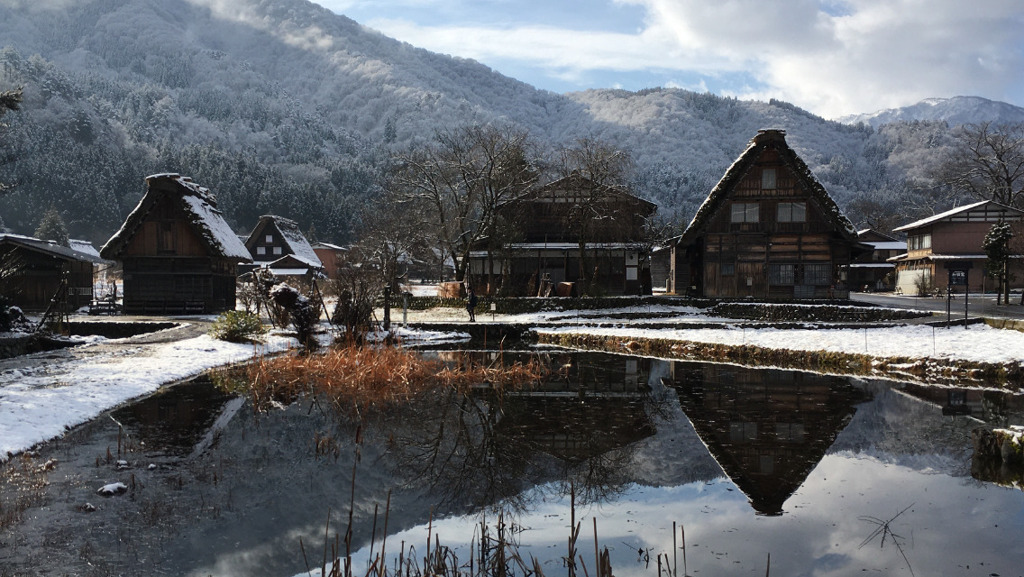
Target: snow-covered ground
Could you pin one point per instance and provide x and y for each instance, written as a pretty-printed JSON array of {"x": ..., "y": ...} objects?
[{"x": 42, "y": 396}]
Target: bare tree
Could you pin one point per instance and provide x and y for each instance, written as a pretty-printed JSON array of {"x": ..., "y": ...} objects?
[
  {"x": 455, "y": 184},
  {"x": 598, "y": 173},
  {"x": 386, "y": 241},
  {"x": 988, "y": 163}
]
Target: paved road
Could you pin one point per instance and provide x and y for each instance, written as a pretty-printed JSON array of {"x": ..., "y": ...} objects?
[{"x": 977, "y": 305}]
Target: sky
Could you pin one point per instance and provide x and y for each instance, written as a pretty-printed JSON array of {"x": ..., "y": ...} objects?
[{"x": 832, "y": 57}]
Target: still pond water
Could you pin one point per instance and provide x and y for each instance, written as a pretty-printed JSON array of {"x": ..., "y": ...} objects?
[{"x": 755, "y": 468}]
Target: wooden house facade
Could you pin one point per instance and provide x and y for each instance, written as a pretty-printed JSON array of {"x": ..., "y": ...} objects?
[
  {"x": 952, "y": 241},
  {"x": 551, "y": 225},
  {"x": 178, "y": 254},
  {"x": 35, "y": 269},
  {"x": 332, "y": 256},
  {"x": 768, "y": 230}
]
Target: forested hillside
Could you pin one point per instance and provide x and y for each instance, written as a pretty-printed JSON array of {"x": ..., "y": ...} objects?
[{"x": 284, "y": 107}]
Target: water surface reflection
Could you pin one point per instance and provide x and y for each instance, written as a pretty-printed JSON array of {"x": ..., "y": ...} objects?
[{"x": 749, "y": 461}]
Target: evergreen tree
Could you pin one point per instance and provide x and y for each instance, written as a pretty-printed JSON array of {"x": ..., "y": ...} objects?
[
  {"x": 52, "y": 227},
  {"x": 997, "y": 246}
]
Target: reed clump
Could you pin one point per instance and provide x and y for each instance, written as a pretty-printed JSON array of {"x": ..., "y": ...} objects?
[{"x": 355, "y": 376}]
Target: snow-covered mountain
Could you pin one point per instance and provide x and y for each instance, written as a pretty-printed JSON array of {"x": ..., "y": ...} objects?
[
  {"x": 281, "y": 106},
  {"x": 953, "y": 111}
]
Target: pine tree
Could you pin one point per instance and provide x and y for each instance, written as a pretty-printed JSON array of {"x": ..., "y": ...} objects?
[
  {"x": 997, "y": 246},
  {"x": 52, "y": 227}
]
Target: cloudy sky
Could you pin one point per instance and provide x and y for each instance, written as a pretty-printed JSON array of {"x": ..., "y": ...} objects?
[{"x": 832, "y": 57}]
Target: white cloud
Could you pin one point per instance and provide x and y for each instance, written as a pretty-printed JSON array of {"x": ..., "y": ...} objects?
[{"x": 830, "y": 56}]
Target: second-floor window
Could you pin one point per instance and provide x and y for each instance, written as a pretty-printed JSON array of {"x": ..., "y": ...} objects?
[
  {"x": 792, "y": 212},
  {"x": 261, "y": 250},
  {"x": 745, "y": 212},
  {"x": 920, "y": 241}
]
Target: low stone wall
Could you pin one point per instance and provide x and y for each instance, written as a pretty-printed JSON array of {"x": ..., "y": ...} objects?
[
  {"x": 1004, "y": 445},
  {"x": 813, "y": 311},
  {"x": 924, "y": 370},
  {"x": 1012, "y": 324},
  {"x": 31, "y": 343},
  {"x": 490, "y": 332},
  {"x": 24, "y": 344},
  {"x": 116, "y": 329}
]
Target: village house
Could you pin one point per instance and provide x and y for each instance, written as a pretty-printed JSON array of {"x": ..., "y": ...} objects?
[
  {"x": 37, "y": 271},
  {"x": 949, "y": 246},
  {"x": 177, "y": 252},
  {"x": 331, "y": 256},
  {"x": 874, "y": 272},
  {"x": 552, "y": 224},
  {"x": 277, "y": 244},
  {"x": 769, "y": 230}
]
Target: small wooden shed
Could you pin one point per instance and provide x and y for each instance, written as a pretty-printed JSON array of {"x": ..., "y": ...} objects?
[
  {"x": 178, "y": 254},
  {"x": 37, "y": 267}
]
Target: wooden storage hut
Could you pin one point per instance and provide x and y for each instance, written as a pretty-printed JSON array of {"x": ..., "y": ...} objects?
[
  {"x": 178, "y": 254},
  {"x": 34, "y": 270},
  {"x": 767, "y": 230}
]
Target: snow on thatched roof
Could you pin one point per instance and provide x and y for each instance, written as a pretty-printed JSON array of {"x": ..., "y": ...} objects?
[
  {"x": 199, "y": 207},
  {"x": 776, "y": 139},
  {"x": 291, "y": 235}
]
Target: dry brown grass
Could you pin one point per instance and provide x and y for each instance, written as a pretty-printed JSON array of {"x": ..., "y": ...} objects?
[{"x": 357, "y": 377}]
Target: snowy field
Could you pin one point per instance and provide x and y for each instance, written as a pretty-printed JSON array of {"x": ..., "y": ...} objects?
[{"x": 61, "y": 389}]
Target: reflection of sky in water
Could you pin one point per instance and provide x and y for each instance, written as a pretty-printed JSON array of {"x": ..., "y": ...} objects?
[{"x": 820, "y": 534}]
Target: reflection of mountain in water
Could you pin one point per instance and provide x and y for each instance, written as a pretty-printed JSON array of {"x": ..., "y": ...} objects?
[{"x": 767, "y": 428}]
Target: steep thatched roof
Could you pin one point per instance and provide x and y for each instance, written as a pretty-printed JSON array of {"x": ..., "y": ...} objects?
[
  {"x": 768, "y": 139},
  {"x": 198, "y": 206},
  {"x": 290, "y": 234}
]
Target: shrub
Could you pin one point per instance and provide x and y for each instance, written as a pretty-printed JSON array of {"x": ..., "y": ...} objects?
[
  {"x": 924, "y": 285},
  {"x": 237, "y": 327}
]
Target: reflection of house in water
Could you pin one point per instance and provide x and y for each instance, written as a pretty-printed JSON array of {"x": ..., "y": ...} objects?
[
  {"x": 991, "y": 406},
  {"x": 589, "y": 406},
  {"x": 767, "y": 428},
  {"x": 174, "y": 420}
]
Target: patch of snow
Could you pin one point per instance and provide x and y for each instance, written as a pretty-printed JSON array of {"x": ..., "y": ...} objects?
[
  {"x": 112, "y": 489},
  {"x": 42, "y": 402}
]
